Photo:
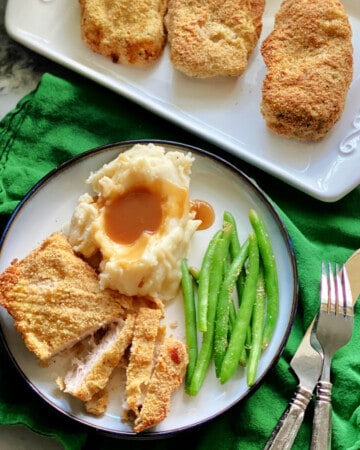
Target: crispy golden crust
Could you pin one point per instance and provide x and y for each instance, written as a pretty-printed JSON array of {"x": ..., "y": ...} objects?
[
  {"x": 168, "y": 375},
  {"x": 98, "y": 404},
  {"x": 54, "y": 298},
  {"x": 214, "y": 37},
  {"x": 309, "y": 57},
  {"x": 126, "y": 31},
  {"x": 142, "y": 353}
]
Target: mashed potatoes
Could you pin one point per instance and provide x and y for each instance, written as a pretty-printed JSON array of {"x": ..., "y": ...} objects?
[{"x": 139, "y": 218}]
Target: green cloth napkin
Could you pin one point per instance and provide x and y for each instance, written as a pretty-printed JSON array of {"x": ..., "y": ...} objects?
[{"x": 63, "y": 118}]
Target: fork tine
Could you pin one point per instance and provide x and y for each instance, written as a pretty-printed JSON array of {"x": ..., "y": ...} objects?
[
  {"x": 348, "y": 300},
  {"x": 324, "y": 291},
  {"x": 339, "y": 307},
  {"x": 332, "y": 290}
]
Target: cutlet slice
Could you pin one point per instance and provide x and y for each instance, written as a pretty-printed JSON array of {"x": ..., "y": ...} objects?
[
  {"x": 167, "y": 377},
  {"x": 309, "y": 57},
  {"x": 214, "y": 37},
  {"x": 147, "y": 335},
  {"x": 126, "y": 31},
  {"x": 55, "y": 299},
  {"x": 90, "y": 375}
]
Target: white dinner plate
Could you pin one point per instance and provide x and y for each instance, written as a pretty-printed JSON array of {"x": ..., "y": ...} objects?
[
  {"x": 224, "y": 111},
  {"x": 48, "y": 207}
]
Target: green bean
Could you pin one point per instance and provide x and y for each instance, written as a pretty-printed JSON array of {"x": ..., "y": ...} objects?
[
  {"x": 203, "y": 284},
  {"x": 235, "y": 243},
  {"x": 244, "y": 354},
  {"x": 237, "y": 340},
  {"x": 232, "y": 315},
  {"x": 235, "y": 247},
  {"x": 243, "y": 357},
  {"x": 257, "y": 325},
  {"x": 270, "y": 275},
  {"x": 194, "y": 273},
  {"x": 190, "y": 320},
  {"x": 226, "y": 234},
  {"x": 206, "y": 350},
  {"x": 223, "y": 306}
]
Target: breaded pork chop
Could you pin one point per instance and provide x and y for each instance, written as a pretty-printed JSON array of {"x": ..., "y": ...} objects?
[
  {"x": 309, "y": 57},
  {"x": 168, "y": 374},
  {"x": 55, "y": 299},
  {"x": 126, "y": 31},
  {"x": 213, "y": 37}
]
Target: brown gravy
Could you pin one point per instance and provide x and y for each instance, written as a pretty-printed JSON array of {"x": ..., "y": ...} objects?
[
  {"x": 128, "y": 216},
  {"x": 204, "y": 212},
  {"x": 141, "y": 210}
]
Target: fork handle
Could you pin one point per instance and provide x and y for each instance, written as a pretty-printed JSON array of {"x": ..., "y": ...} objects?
[
  {"x": 284, "y": 434},
  {"x": 321, "y": 435}
]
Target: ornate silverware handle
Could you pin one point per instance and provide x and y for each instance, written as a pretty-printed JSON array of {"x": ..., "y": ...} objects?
[
  {"x": 284, "y": 434},
  {"x": 321, "y": 435}
]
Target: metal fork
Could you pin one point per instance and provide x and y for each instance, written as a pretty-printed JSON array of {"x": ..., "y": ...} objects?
[{"x": 333, "y": 330}]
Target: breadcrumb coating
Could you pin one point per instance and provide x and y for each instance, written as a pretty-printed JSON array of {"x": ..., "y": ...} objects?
[
  {"x": 126, "y": 31},
  {"x": 309, "y": 57},
  {"x": 55, "y": 299},
  {"x": 214, "y": 37}
]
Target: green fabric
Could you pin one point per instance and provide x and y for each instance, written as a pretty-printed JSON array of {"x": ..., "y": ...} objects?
[{"x": 63, "y": 118}]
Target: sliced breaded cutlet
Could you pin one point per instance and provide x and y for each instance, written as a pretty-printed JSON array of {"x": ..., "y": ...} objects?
[
  {"x": 55, "y": 299},
  {"x": 90, "y": 375},
  {"x": 214, "y": 37},
  {"x": 156, "y": 369},
  {"x": 147, "y": 335},
  {"x": 309, "y": 57},
  {"x": 126, "y": 31},
  {"x": 168, "y": 375}
]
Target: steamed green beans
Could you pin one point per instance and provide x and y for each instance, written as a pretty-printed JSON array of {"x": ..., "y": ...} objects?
[
  {"x": 190, "y": 320},
  {"x": 235, "y": 317},
  {"x": 257, "y": 328},
  {"x": 238, "y": 335},
  {"x": 223, "y": 308},
  {"x": 203, "y": 283},
  {"x": 206, "y": 350},
  {"x": 270, "y": 275}
]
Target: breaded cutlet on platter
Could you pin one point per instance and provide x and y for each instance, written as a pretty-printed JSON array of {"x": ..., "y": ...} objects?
[
  {"x": 126, "y": 31},
  {"x": 213, "y": 38},
  {"x": 309, "y": 59}
]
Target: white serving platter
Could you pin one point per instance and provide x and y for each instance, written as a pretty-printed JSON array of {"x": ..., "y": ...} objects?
[{"x": 224, "y": 111}]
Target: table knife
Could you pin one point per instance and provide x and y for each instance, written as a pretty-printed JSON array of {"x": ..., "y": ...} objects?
[
  {"x": 307, "y": 365},
  {"x": 353, "y": 271}
]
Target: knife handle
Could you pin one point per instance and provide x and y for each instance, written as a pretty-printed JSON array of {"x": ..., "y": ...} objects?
[
  {"x": 285, "y": 432},
  {"x": 321, "y": 435}
]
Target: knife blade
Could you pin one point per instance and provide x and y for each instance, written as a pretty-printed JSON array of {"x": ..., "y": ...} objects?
[
  {"x": 306, "y": 364},
  {"x": 353, "y": 270}
]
